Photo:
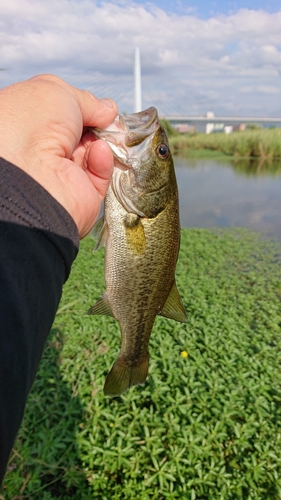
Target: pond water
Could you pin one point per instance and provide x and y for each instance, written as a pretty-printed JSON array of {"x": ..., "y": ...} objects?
[{"x": 224, "y": 193}]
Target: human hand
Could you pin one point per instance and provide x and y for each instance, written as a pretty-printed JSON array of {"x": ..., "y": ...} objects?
[{"x": 41, "y": 131}]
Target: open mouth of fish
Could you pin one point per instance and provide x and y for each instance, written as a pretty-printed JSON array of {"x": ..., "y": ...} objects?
[{"x": 130, "y": 136}]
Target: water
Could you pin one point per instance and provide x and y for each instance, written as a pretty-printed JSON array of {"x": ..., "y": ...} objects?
[{"x": 224, "y": 193}]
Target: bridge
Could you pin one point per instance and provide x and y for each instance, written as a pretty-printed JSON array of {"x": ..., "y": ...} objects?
[
  {"x": 231, "y": 120},
  {"x": 208, "y": 119}
]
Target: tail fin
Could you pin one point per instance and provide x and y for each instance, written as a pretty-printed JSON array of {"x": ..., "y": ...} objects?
[{"x": 122, "y": 376}]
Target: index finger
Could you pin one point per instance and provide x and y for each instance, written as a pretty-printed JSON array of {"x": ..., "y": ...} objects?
[{"x": 96, "y": 112}]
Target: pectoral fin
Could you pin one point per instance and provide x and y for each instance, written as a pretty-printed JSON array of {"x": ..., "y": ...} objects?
[
  {"x": 101, "y": 306},
  {"x": 173, "y": 307},
  {"x": 99, "y": 232}
]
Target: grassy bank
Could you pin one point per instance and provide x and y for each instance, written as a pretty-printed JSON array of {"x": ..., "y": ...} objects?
[
  {"x": 206, "y": 425},
  {"x": 202, "y": 153},
  {"x": 263, "y": 143}
]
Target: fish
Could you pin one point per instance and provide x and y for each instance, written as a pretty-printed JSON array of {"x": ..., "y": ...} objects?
[{"x": 140, "y": 230}]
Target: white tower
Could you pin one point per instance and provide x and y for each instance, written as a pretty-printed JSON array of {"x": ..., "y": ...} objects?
[{"x": 138, "y": 99}]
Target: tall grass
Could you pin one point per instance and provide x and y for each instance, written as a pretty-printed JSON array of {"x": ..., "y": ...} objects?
[
  {"x": 206, "y": 425},
  {"x": 264, "y": 143}
]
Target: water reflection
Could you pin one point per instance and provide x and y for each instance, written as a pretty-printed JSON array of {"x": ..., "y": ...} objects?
[
  {"x": 254, "y": 167},
  {"x": 223, "y": 193}
]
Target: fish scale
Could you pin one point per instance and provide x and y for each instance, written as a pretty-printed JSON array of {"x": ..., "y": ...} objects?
[{"x": 141, "y": 251}]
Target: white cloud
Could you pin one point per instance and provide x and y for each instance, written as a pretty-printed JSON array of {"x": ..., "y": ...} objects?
[
  {"x": 266, "y": 89},
  {"x": 189, "y": 64}
]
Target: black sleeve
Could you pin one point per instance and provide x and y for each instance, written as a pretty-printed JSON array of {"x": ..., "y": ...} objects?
[{"x": 38, "y": 243}]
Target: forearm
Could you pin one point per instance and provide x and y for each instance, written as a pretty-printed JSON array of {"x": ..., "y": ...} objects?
[{"x": 38, "y": 243}]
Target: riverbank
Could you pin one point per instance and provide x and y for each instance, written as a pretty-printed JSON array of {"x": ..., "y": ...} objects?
[
  {"x": 201, "y": 154},
  {"x": 250, "y": 143}
]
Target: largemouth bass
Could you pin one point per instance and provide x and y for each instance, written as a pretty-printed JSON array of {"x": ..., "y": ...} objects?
[{"x": 141, "y": 233}]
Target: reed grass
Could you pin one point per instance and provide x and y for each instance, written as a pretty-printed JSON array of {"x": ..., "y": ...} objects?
[{"x": 263, "y": 143}]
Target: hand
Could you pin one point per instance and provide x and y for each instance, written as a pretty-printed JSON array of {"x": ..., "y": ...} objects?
[{"x": 41, "y": 131}]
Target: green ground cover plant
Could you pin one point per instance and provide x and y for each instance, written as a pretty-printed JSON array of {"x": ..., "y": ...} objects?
[
  {"x": 206, "y": 425},
  {"x": 262, "y": 143}
]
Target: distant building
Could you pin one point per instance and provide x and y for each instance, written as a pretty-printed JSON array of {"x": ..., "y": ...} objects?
[
  {"x": 218, "y": 127},
  {"x": 184, "y": 128},
  {"x": 240, "y": 126},
  {"x": 221, "y": 127},
  {"x": 228, "y": 129},
  {"x": 210, "y": 126}
]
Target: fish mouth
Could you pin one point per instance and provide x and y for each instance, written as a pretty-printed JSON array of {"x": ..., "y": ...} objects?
[{"x": 129, "y": 136}]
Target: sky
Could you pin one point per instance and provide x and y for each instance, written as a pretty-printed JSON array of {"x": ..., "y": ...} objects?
[{"x": 220, "y": 56}]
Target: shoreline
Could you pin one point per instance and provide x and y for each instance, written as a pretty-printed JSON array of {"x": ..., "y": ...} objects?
[
  {"x": 202, "y": 153},
  {"x": 218, "y": 155},
  {"x": 259, "y": 144}
]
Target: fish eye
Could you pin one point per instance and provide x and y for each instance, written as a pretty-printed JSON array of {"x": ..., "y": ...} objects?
[{"x": 163, "y": 151}]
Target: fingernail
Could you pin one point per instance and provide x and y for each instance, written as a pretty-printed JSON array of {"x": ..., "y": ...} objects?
[{"x": 107, "y": 102}]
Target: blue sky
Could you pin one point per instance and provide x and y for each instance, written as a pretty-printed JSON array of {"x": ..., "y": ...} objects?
[
  {"x": 196, "y": 57},
  {"x": 207, "y": 9}
]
